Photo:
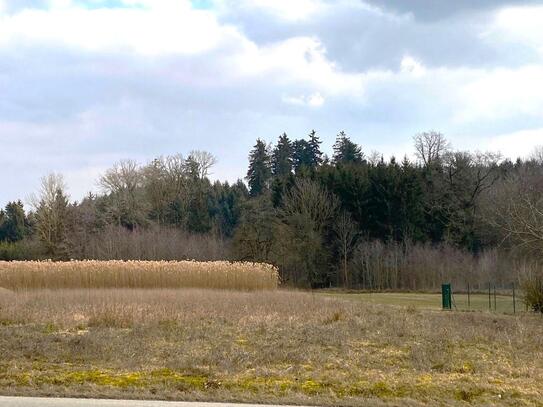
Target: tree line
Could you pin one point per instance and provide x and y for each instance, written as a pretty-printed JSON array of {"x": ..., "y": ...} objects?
[{"x": 352, "y": 219}]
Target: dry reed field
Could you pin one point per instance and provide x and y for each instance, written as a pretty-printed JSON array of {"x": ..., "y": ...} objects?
[
  {"x": 20, "y": 275},
  {"x": 268, "y": 346}
]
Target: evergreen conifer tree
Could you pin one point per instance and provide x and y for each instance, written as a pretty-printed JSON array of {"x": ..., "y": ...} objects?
[
  {"x": 282, "y": 160},
  {"x": 345, "y": 151},
  {"x": 259, "y": 173}
]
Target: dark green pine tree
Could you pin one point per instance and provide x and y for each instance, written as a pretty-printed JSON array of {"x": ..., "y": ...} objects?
[
  {"x": 2, "y": 220},
  {"x": 16, "y": 215},
  {"x": 301, "y": 155},
  {"x": 307, "y": 154},
  {"x": 282, "y": 160},
  {"x": 347, "y": 152},
  {"x": 411, "y": 210},
  {"x": 228, "y": 205},
  {"x": 259, "y": 173},
  {"x": 199, "y": 206},
  {"x": 13, "y": 225},
  {"x": 315, "y": 149}
]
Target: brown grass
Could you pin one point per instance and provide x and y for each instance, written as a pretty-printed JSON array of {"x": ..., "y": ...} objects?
[
  {"x": 270, "y": 346},
  {"x": 19, "y": 275}
]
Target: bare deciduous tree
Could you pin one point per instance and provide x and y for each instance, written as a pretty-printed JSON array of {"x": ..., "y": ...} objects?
[
  {"x": 124, "y": 182},
  {"x": 124, "y": 176},
  {"x": 176, "y": 173},
  {"x": 346, "y": 233},
  {"x": 469, "y": 175},
  {"x": 430, "y": 146},
  {"x": 157, "y": 188},
  {"x": 307, "y": 209},
  {"x": 537, "y": 154},
  {"x": 516, "y": 209},
  {"x": 165, "y": 182},
  {"x": 311, "y": 201},
  {"x": 51, "y": 212},
  {"x": 202, "y": 161},
  {"x": 375, "y": 157}
]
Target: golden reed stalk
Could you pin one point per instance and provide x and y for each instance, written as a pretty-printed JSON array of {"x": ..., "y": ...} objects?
[{"x": 21, "y": 275}]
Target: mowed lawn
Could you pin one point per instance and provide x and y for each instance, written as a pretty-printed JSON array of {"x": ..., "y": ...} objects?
[
  {"x": 476, "y": 302},
  {"x": 266, "y": 347}
]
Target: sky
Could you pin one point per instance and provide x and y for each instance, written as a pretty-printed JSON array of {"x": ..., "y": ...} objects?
[{"x": 86, "y": 83}]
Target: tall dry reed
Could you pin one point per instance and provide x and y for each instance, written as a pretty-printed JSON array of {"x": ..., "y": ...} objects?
[{"x": 20, "y": 275}]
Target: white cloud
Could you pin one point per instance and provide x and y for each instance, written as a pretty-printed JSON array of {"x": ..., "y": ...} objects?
[
  {"x": 316, "y": 100},
  {"x": 412, "y": 66},
  {"x": 287, "y": 9},
  {"x": 313, "y": 100},
  {"x": 466, "y": 96},
  {"x": 501, "y": 93},
  {"x": 301, "y": 60},
  {"x": 519, "y": 24},
  {"x": 165, "y": 27},
  {"x": 517, "y": 144},
  {"x": 169, "y": 28},
  {"x": 60, "y": 3}
]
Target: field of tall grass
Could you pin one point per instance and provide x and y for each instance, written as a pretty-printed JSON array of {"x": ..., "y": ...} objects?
[
  {"x": 28, "y": 275},
  {"x": 273, "y": 346}
]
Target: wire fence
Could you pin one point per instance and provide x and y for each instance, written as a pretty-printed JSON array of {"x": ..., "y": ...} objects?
[{"x": 492, "y": 298}]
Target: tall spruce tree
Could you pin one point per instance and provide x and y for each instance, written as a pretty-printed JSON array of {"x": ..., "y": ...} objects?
[
  {"x": 199, "y": 216},
  {"x": 259, "y": 173},
  {"x": 282, "y": 160},
  {"x": 13, "y": 222},
  {"x": 307, "y": 153},
  {"x": 2, "y": 224},
  {"x": 315, "y": 149},
  {"x": 301, "y": 155},
  {"x": 345, "y": 151},
  {"x": 228, "y": 201}
]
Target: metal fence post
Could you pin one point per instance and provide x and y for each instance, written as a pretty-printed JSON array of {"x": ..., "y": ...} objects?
[
  {"x": 495, "y": 309},
  {"x": 489, "y": 298},
  {"x": 514, "y": 305}
]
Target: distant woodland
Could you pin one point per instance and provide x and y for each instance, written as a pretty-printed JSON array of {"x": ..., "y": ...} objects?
[{"x": 354, "y": 219}]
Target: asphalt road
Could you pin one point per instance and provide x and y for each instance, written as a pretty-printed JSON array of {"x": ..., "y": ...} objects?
[{"x": 58, "y": 402}]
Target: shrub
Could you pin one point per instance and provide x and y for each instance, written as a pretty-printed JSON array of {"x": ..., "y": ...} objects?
[
  {"x": 22, "y": 250},
  {"x": 533, "y": 292}
]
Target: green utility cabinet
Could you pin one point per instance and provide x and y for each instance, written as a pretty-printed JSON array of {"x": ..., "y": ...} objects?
[{"x": 446, "y": 296}]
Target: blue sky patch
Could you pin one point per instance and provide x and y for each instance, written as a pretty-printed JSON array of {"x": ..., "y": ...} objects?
[
  {"x": 105, "y": 4},
  {"x": 202, "y": 4}
]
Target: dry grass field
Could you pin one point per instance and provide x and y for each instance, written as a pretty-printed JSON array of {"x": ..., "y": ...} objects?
[{"x": 267, "y": 346}]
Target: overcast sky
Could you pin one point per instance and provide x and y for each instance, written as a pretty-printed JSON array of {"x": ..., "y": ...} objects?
[{"x": 85, "y": 83}]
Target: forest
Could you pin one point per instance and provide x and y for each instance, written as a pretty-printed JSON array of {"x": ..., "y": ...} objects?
[{"x": 353, "y": 219}]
